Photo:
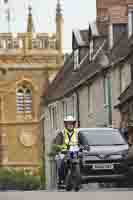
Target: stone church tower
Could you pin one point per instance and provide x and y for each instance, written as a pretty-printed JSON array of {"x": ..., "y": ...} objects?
[{"x": 28, "y": 61}]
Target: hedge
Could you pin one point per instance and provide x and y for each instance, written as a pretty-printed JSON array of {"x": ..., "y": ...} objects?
[{"x": 11, "y": 179}]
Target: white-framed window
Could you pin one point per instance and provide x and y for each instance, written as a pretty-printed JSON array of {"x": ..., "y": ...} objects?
[
  {"x": 76, "y": 58},
  {"x": 64, "y": 109},
  {"x": 53, "y": 111},
  {"x": 73, "y": 106},
  {"x": 130, "y": 21},
  {"x": 91, "y": 49},
  {"x": 105, "y": 90},
  {"x": 90, "y": 99},
  {"x": 24, "y": 100}
]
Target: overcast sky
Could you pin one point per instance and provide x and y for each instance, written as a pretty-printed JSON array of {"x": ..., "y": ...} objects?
[{"x": 77, "y": 14}]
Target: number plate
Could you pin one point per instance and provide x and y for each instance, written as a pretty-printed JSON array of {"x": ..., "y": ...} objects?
[{"x": 102, "y": 166}]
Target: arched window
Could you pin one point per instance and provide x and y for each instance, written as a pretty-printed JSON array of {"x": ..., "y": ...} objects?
[
  {"x": 28, "y": 101},
  {"x": 24, "y": 100}
]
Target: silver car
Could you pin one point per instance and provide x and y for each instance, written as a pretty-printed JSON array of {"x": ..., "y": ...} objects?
[{"x": 104, "y": 154}]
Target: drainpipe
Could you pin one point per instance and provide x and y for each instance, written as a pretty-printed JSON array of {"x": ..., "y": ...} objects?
[{"x": 77, "y": 109}]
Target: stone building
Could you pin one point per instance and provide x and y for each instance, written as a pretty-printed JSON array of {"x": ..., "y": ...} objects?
[{"x": 28, "y": 62}]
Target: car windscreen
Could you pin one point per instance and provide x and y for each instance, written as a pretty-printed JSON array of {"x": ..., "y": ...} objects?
[{"x": 101, "y": 137}]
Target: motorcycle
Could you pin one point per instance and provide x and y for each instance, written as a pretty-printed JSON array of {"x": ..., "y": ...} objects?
[{"x": 72, "y": 168}]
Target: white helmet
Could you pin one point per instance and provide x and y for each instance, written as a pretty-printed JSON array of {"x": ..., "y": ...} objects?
[{"x": 69, "y": 119}]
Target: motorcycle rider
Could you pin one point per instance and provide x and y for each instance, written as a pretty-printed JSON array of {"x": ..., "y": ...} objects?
[{"x": 68, "y": 136}]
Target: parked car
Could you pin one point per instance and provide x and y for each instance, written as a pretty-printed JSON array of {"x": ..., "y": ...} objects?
[{"x": 104, "y": 155}]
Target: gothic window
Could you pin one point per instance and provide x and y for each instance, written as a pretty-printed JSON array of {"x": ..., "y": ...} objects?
[
  {"x": 20, "y": 100},
  {"x": 28, "y": 101},
  {"x": 24, "y": 100}
]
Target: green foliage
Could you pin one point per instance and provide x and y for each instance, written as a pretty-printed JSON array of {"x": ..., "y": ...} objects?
[
  {"x": 54, "y": 150},
  {"x": 11, "y": 179}
]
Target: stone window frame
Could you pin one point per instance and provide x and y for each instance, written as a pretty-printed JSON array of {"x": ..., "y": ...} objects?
[{"x": 24, "y": 105}]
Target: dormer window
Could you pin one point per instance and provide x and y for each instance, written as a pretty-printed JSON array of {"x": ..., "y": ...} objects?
[
  {"x": 91, "y": 49},
  {"x": 76, "y": 58},
  {"x": 130, "y": 21}
]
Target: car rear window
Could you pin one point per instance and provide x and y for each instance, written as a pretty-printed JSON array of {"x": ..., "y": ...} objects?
[{"x": 101, "y": 137}]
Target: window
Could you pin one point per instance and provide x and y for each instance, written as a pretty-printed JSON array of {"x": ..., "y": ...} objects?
[
  {"x": 76, "y": 58},
  {"x": 64, "y": 109},
  {"x": 105, "y": 88},
  {"x": 107, "y": 85},
  {"x": 119, "y": 29},
  {"x": 54, "y": 117},
  {"x": 90, "y": 100},
  {"x": 91, "y": 49},
  {"x": 24, "y": 100},
  {"x": 130, "y": 21}
]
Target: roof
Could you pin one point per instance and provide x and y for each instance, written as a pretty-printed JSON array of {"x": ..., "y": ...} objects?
[{"x": 67, "y": 80}]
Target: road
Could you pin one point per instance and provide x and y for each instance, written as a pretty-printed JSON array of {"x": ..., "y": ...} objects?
[
  {"x": 90, "y": 191},
  {"x": 93, "y": 191}
]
